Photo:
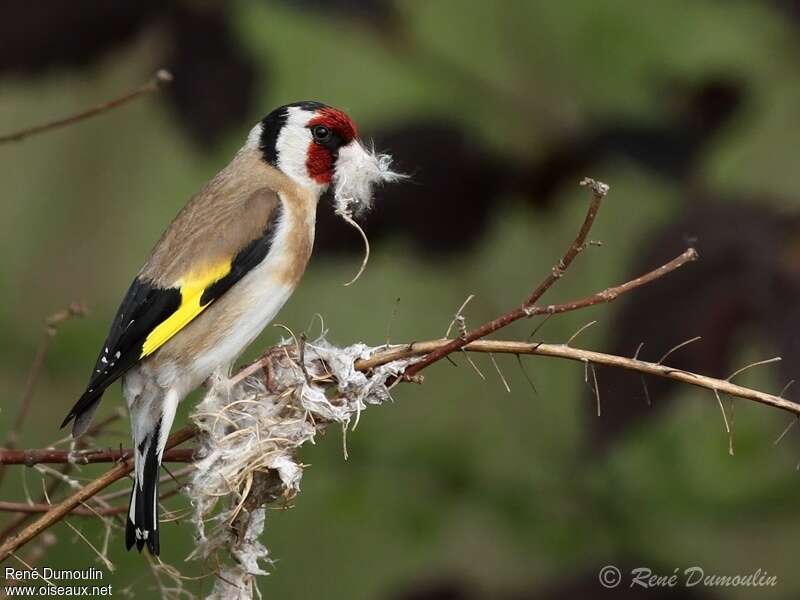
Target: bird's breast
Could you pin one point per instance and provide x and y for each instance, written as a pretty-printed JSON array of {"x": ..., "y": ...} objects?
[{"x": 220, "y": 334}]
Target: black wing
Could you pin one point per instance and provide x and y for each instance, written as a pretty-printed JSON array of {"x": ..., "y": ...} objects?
[
  {"x": 142, "y": 309},
  {"x": 146, "y": 306}
]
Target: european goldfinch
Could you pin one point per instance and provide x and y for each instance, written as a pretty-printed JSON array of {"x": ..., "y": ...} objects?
[{"x": 219, "y": 274}]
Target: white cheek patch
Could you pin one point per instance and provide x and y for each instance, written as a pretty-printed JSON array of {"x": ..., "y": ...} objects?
[
  {"x": 292, "y": 146},
  {"x": 356, "y": 173}
]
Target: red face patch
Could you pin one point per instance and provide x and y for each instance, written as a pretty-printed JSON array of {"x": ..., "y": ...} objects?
[
  {"x": 337, "y": 121},
  {"x": 319, "y": 162}
]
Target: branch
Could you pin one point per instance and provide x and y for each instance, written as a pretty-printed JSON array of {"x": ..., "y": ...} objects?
[
  {"x": 63, "y": 508},
  {"x": 40, "y": 507},
  {"x": 159, "y": 79},
  {"x": 611, "y": 294},
  {"x": 599, "y": 191},
  {"x": 106, "y": 511},
  {"x": 723, "y": 386},
  {"x": 430, "y": 352},
  {"x": 51, "y": 456}
]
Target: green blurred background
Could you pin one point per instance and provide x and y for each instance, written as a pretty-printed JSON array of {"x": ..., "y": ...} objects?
[{"x": 458, "y": 489}]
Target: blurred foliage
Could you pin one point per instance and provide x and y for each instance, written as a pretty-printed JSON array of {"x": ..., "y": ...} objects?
[{"x": 687, "y": 108}]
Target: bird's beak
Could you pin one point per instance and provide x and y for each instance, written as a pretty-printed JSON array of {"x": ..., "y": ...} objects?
[{"x": 356, "y": 172}]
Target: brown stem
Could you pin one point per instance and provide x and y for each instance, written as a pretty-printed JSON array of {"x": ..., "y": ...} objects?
[
  {"x": 160, "y": 78},
  {"x": 50, "y": 456},
  {"x": 610, "y": 294},
  {"x": 43, "y": 507},
  {"x": 599, "y": 191},
  {"x": 723, "y": 386},
  {"x": 63, "y": 508}
]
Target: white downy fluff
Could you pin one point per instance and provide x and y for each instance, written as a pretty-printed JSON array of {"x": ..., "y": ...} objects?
[
  {"x": 356, "y": 173},
  {"x": 256, "y": 426}
]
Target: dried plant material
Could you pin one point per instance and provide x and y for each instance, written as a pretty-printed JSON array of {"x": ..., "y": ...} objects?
[
  {"x": 357, "y": 172},
  {"x": 249, "y": 434}
]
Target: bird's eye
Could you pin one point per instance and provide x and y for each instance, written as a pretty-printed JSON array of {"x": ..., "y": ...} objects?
[{"x": 321, "y": 133}]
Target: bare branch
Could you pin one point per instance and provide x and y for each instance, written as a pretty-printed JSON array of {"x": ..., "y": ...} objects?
[
  {"x": 85, "y": 457},
  {"x": 612, "y": 293},
  {"x": 599, "y": 191},
  {"x": 562, "y": 351},
  {"x": 62, "y": 509},
  {"x": 160, "y": 78}
]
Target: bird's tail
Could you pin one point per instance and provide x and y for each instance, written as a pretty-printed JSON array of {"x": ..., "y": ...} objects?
[
  {"x": 151, "y": 422},
  {"x": 142, "y": 527}
]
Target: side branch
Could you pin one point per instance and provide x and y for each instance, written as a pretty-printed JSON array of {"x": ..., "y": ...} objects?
[
  {"x": 599, "y": 191},
  {"x": 611, "y": 294},
  {"x": 161, "y": 77},
  {"x": 62, "y": 509},
  {"x": 723, "y": 386},
  {"x": 86, "y": 457}
]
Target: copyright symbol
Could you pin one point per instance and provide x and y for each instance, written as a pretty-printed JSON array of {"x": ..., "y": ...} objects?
[{"x": 610, "y": 576}]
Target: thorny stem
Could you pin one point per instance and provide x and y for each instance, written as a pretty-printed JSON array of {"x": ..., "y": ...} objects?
[
  {"x": 57, "y": 482},
  {"x": 599, "y": 191},
  {"x": 86, "y": 457},
  {"x": 63, "y": 508},
  {"x": 723, "y": 386},
  {"x": 42, "y": 507}
]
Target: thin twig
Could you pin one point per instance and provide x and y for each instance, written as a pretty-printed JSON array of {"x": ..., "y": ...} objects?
[
  {"x": 612, "y": 293},
  {"x": 160, "y": 78},
  {"x": 56, "y": 483},
  {"x": 577, "y": 354},
  {"x": 63, "y": 508},
  {"x": 43, "y": 507},
  {"x": 37, "y": 456},
  {"x": 599, "y": 191}
]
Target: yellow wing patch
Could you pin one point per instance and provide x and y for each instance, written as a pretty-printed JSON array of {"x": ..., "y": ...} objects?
[{"x": 191, "y": 287}]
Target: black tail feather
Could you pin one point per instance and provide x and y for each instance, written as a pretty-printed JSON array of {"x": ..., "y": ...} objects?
[{"x": 143, "y": 530}]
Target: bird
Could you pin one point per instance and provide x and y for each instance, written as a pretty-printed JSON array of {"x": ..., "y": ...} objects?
[{"x": 219, "y": 274}]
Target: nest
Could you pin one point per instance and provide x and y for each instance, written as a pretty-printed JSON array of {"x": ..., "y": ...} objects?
[{"x": 250, "y": 433}]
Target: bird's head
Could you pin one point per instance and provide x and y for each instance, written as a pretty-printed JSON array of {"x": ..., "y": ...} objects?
[{"x": 318, "y": 146}]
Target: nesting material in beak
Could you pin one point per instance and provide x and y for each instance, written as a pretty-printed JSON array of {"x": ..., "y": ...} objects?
[{"x": 357, "y": 172}]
